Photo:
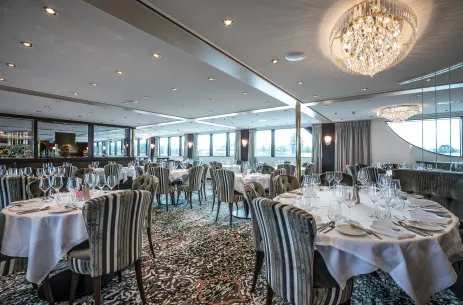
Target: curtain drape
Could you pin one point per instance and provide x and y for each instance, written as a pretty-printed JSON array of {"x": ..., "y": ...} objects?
[
  {"x": 237, "y": 145},
  {"x": 352, "y": 144},
  {"x": 185, "y": 146},
  {"x": 157, "y": 146},
  {"x": 195, "y": 146},
  {"x": 251, "y": 148},
  {"x": 317, "y": 147}
]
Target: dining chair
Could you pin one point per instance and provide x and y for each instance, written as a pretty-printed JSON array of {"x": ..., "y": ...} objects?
[
  {"x": 79, "y": 173},
  {"x": 350, "y": 170},
  {"x": 252, "y": 191},
  {"x": 14, "y": 188},
  {"x": 346, "y": 179},
  {"x": 373, "y": 173},
  {"x": 285, "y": 183},
  {"x": 216, "y": 164},
  {"x": 271, "y": 187},
  {"x": 225, "y": 183},
  {"x": 114, "y": 170},
  {"x": 293, "y": 274},
  {"x": 290, "y": 169},
  {"x": 147, "y": 183},
  {"x": 110, "y": 247},
  {"x": 309, "y": 169},
  {"x": 212, "y": 171},
  {"x": 194, "y": 184},
  {"x": 139, "y": 171},
  {"x": 197, "y": 162},
  {"x": 358, "y": 167},
  {"x": 204, "y": 180},
  {"x": 164, "y": 187},
  {"x": 267, "y": 169}
]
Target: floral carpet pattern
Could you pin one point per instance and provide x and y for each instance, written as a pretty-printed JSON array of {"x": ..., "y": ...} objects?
[{"x": 199, "y": 261}]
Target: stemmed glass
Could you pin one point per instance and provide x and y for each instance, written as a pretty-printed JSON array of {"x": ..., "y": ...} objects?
[
  {"x": 329, "y": 176},
  {"x": 61, "y": 171},
  {"x": 339, "y": 191},
  {"x": 56, "y": 184},
  {"x": 362, "y": 175},
  {"x": 89, "y": 180},
  {"x": 111, "y": 182},
  {"x": 334, "y": 210},
  {"x": 374, "y": 193},
  {"x": 39, "y": 172},
  {"x": 96, "y": 164},
  {"x": 350, "y": 199},
  {"x": 72, "y": 186},
  {"x": 28, "y": 171},
  {"x": 101, "y": 182},
  {"x": 338, "y": 177},
  {"x": 44, "y": 185},
  {"x": 395, "y": 185}
]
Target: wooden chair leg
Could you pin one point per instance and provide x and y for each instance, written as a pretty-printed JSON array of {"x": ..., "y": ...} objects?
[
  {"x": 230, "y": 208},
  {"x": 190, "y": 196},
  {"x": 269, "y": 295},
  {"x": 140, "y": 280},
  {"x": 119, "y": 276},
  {"x": 167, "y": 202},
  {"x": 74, "y": 282},
  {"x": 199, "y": 197},
  {"x": 178, "y": 196},
  {"x": 97, "y": 290},
  {"x": 150, "y": 239},
  {"x": 213, "y": 200},
  {"x": 47, "y": 290},
  {"x": 257, "y": 267},
  {"x": 218, "y": 209}
]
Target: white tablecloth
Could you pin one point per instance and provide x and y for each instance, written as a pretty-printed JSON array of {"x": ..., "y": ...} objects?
[
  {"x": 180, "y": 174},
  {"x": 233, "y": 167},
  {"x": 419, "y": 265},
  {"x": 130, "y": 171},
  {"x": 42, "y": 237},
  {"x": 240, "y": 181}
]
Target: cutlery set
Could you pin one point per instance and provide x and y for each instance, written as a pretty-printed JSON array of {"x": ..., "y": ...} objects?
[
  {"x": 33, "y": 211},
  {"x": 414, "y": 230},
  {"x": 369, "y": 232},
  {"x": 326, "y": 227}
]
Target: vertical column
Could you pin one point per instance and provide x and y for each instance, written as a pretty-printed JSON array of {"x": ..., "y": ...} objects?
[
  {"x": 35, "y": 142},
  {"x": 190, "y": 145},
  {"x": 132, "y": 146},
  {"x": 298, "y": 141},
  {"x": 91, "y": 140},
  {"x": 244, "y": 144}
]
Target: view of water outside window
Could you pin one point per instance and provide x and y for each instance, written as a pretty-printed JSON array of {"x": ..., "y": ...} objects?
[
  {"x": 219, "y": 144},
  {"x": 204, "y": 145}
]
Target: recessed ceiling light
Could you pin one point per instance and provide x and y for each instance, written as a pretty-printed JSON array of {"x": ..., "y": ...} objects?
[
  {"x": 211, "y": 78},
  {"x": 80, "y": 116},
  {"x": 162, "y": 109},
  {"x": 294, "y": 56},
  {"x": 59, "y": 102},
  {"x": 367, "y": 101},
  {"x": 326, "y": 105},
  {"x": 156, "y": 55},
  {"x": 429, "y": 79},
  {"x": 419, "y": 94},
  {"x": 147, "y": 96},
  {"x": 47, "y": 107},
  {"x": 210, "y": 100},
  {"x": 125, "y": 102},
  {"x": 364, "y": 89},
  {"x": 315, "y": 96},
  {"x": 274, "y": 61},
  {"x": 335, "y": 113},
  {"x": 2, "y": 79},
  {"x": 94, "y": 84},
  {"x": 228, "y": 22},
  {"x": 236, "y": 107},
  {"x": 90, "y": 112},
  {"x": 245, "y": 93},
  {"x": 300, "y": 82},
  {"x": 26, "y": 44},
  {"x": 39, "y": 111},
  {"x": 174, "y": 89},
  {"x": 119, "y": 72},
  {"x": 50, "y": 11},
  {"x": 75, "y": 93},
  {"x": 11, "y": 65}
]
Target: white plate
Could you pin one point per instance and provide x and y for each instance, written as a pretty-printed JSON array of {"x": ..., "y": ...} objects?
[
  {"x": 59, "y": 210},
  {"x": 424, "y": 226},
  {"x": 348, "y": 230},
  {"x": 287, "y": 195},
  {"x": 435, "y": 210}
]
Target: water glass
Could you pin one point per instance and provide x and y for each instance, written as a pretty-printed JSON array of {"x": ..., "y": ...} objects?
[
  {"x": 101, "y": 181},
  {"x": 329, "y": 176},
  {"x": 334, "y": 210},
  {"x": 73, "y": 186},
  {"x": 111, "y": 182},
  {"x": 374, "y": 193},
  {"x": 350, "y": 198},
  {"x": 56, "y": 185},
  {"x": 362, "y": 176},
  {"x": 28, "y": 171},
  {"x": 339, "y": 191},
  {"x": 44, "y": 185},
  {"x": 89, "y": 180}
]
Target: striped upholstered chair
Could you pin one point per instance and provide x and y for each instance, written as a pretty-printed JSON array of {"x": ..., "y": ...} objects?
[
  {"x": 271, "y": 188},
  {"x": 139, "y": 171},
  {"x": 147, "y": 183},
  {"x": 294, "y": 275},
  {"x": 164, "y": 187},
  {"x": 204, "y": 180},
  {"x": 252, "y": 191},
  {"x": 225, "y": 183},
  {"x": 194, "y": 184},
  {"x": 267, "y": 169},
  {"x": 290, "y": 169},
  {"x": 197, "y": 162},
  {"x": 309, "y": 169},
  {"x": 113, "y": 170},
  {"x": 212, "y": 171},
  {"x": 285, "y": 183},
  {"x": 14, "y": 188},
  {"x": 373, "y": 173},
  {"x": 216, "y": 164},
  {"x": 102, "y": 255}
]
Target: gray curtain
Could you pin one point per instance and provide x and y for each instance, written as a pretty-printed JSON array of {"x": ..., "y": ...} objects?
[
  {"x": 352, "y": 144},
  {"x": 185, "y": 146},
  {"x": 195, "y": 146},
  {"x": 317, "y": 147},
  {"x": 251, "y": 148},
  {"x": 237, "y": 145},
  {"x": 157, "y": 147}
]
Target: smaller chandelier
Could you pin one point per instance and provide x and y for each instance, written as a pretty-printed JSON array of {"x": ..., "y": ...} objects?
[{"x": 399, "y": 113}]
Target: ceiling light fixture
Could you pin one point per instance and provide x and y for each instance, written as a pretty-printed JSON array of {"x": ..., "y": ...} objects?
[
  {"x": 373, "y": 36},
  {"x": 429, "y": 79},
  {"x": 274, "y": 61},
  {"x": 315, "y": 96},
  {"x": 174, "y": 89},
  {"x": 364, "y": 89},
  {"x": 119, "y": 72},
  {"x": 156, "y": 55},
  {"x": 11, "y": 65},
  {"x": 94, "y": 84},
  {"x": 245, "y": 93},
  {"x": 211, "y": 78},
  {"x": 294, "y": 56},
  {"x": 300, "y": 82},
  {"x": 50, "y": 11},
  {"x": 75, "y": 93},
  {"x": 399, "y": 113},
  {"x": 2, "y": 79},
  {"x": 147, "y": 96},
  {"x": 228, "y": 22},
  {"x": 210, "y": 100},
  {"x": 26, "y": 44}
]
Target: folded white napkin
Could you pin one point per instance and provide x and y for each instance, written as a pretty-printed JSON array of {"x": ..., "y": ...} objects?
[
  {"x": 387, "y": 228},
  {"x": 431, "y": 217}
]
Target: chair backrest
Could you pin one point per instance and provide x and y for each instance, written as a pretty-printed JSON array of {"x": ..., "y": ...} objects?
[
  {"x": 194, "y": 177},
  {"x": 204, "y": 175},
  {"x": 114, "y": 225},
  {"x": 373, "y": 173},
  {"x": 359, "y": 166},
  {"x": 309, "y": 169},
  {"x": 146, "y": 183},
  {"x": 139, "y": 171},
  {"x": 288, "y": 235},
  {"x": 162, "y": 174},
  {"x": 216, "y": 164},
  {"x": 350, "y": 170},
  {"x": 346, "y": 179},
  {"x": 225, "y": 184},
  {"x": 285, "y": 183},
  {"x": 290, "y": 169},
  {"x": 14, "y": 188},
  {"x": 271, "y": 188},
  {"x": 113, "y": 170},
  {"x": 252, "y": 191},
  {"x": 267, "y": 169},
  {"x": 197, "y": 162},
  {"x": 212, "y": 170}
]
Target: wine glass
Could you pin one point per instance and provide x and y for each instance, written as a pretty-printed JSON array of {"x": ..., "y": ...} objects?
[
  {"x": 28, "y": 171},
  {"x": 39, "y": 172},
  {"x": 395, "y": 185},
  {"x": 374, "y": 193},
  {"x": 72, "y": 186},
  {"x": 89, "y": 180},
  {"x": 339, "y": 193},
  {"x": 362, "y": 175},
  {"x": 111, "y": 182},
  {"x": 101, "y": 181},
  {"x": 44, "y": 185},
  {"x": 337, "y": 177},
  {"x": 56, "y": 185},
  {"x": 350, "y": 199},
  {"x": 334, "y": 210},
  {"x": 96, "y": 164},
  {"x": 329, "y": 176}
]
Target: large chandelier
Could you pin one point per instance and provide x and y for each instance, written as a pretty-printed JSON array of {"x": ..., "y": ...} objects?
[
  {"x": 399, "y": 113},
  {"x": 373, "y": 36}
]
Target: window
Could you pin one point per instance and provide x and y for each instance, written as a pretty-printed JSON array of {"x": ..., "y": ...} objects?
[
  {"x": 204, "y": 145},
  {"x": 306, "y": 143},
  {"x": 285, "y": 143},
  {"x": 442, "y": 136},
  {"x": 62, "y": 140},
  {"x": 263, "y": 143},
  {"x": 16, "y": 138},
  {"x": 175, "y": 146},
  {"x": 113, "y": 141},
  {"x": 219, "y": 144},
  {"x": 232, "y": 144},
  {"x": 143, "y": 147},
  {"x": 163, "y": 143}
]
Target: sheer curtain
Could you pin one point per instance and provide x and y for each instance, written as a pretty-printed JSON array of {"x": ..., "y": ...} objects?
[
  {"x": 352, "y": 144},
  {"x": 157, "y": 146},
  {"x": 237, "y": 145},
  {"x": 251, "y": 148},
  {"x": 185, "y": 146},
  {"x": 317, "y": 147},
  {"x": 195, "y": 146}
]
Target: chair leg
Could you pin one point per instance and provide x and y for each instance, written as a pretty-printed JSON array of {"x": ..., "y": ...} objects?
[
  {"x": 230, "y": 208},
  {"x": 178, "y": 195},
  {"x": 47, "y": 290},
  {"x": 119, "y": 276},
  {"x": 257, "y": 268},
  {"x": 150, "y": 239},
  {"x": 218, "y": 209},
  {"x": 35, "y": 286},
  {"x": 167, "y": 202},
  {"x": 269, "y": 295},
  {"x": 97, "y": 290},
  {"x": 140, "y": 280},
  {"x": 199, "y": 197},
  {"x": 74, "y": 282},
  {"x": 190, "y": 196},
  {"x": 213, "y": 200}
]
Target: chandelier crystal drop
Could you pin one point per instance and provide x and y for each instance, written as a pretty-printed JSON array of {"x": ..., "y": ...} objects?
[
  {"x": 373, "y": 36},
  {"x": 399, "y": 113}
]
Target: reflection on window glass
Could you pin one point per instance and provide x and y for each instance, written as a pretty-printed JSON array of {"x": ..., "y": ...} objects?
[
  {"x": 62, "y": 140},
  {"x": 141, "y": 142},
  {"x": 263, "y": 143},
  {"x": 143, "y": 147},
  {"x": 106, "y": 138},
  {"x": 204, "y": 145},
  {"x": 175, "y": 146},
  {"x": 163, "y": 143},
  {"x": 219, "y": 144},
  {"x": 285, "y": 143},
  {"x": 306, "y": 143},
  {"x": 16, "y": 138},
  {"x": 442, "y": 138},
  {"x": 232, "y": 144}
]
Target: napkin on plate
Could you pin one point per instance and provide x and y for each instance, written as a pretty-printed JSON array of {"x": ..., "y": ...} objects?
[
  {"x": 431, "y": 217},
  {"x": 387, "y": 228}
]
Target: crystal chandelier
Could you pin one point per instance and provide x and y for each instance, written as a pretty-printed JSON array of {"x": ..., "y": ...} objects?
[
  {"x": 373, "y": 36},
  {"x": 399, "y": 113}
]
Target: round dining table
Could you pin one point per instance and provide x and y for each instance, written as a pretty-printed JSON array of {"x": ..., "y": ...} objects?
[
  {"x": 420, "y": 265},
  {"x": 240, "y": 181}
]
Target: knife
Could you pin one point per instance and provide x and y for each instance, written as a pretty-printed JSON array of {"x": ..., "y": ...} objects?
[
  {"x": 401, "y": 224},
  {"x": 365, "y": 230},
  {"x": 32, "y": 211},
  {"x": 422, "y": 231}
]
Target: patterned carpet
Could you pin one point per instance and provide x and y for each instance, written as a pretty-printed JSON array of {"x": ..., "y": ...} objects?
[{"x": 202, "y": 262}]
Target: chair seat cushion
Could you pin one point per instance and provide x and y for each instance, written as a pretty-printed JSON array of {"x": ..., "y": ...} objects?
[
  {"x": 10, "y": 265},
  {"x": 238, "y": 196},
  {"x": 170, "y": 189},
  {"x": 183, "y": 188},
  {"x": 333, "y": 296},
  {"x": 79, "y": 258}
]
